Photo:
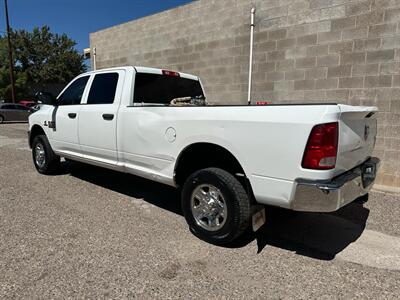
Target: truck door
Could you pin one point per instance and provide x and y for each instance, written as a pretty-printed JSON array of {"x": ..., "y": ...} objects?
[
  {"x": 63, "y": 122},
  {"x": 98, "y": 118}
]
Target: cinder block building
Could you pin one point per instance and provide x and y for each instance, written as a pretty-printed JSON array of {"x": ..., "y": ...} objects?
[{"x": 304, "y": 51}]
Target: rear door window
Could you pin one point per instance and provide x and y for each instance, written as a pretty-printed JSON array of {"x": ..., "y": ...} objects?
[
  {"x": 73, "y": 94},
  {"x": 162, "y": 89},
  {"x": 103, "y": 89}
]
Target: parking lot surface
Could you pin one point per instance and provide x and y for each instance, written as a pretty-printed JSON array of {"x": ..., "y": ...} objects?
[{"x": 95, "y": 233}]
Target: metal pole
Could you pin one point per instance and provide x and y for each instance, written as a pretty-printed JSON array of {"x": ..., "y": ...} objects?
[
  {"x": 253, "y": 11},
  {"x": 10, "y": 57},
  {"x": 94, "y": 58}
]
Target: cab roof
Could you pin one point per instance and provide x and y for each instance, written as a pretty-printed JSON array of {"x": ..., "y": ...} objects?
[{"x": 148, "y": 70}]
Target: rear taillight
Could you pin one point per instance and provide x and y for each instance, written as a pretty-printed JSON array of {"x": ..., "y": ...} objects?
[{"x": 321, "y": 149}]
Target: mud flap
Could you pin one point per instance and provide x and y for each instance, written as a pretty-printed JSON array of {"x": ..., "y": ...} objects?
[{"x": 258, "y": 217}]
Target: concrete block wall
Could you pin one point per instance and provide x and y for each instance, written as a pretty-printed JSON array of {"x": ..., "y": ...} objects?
[{"x": 305, "y": 51}]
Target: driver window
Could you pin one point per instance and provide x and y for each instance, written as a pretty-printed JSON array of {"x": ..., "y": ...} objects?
[{"x": 73, "y": 94}]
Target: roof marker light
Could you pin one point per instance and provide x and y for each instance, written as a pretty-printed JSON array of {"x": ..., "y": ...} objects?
[{"x": 170, "y": 73}]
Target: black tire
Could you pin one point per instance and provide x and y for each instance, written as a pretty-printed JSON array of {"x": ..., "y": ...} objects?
[
  {"x": 1, "y": 119},
  {"x": 235, "y": 198},
  {"x": 51, "y": 163}
]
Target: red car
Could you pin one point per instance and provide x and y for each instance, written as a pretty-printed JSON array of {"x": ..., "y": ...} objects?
[{"x": 27, "y": 103}]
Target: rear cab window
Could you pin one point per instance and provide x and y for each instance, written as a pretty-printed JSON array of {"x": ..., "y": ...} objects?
[{"x": 160, "y": 89}]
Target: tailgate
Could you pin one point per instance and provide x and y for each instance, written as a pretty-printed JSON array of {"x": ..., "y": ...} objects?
[{"x": 357, "y": 135}]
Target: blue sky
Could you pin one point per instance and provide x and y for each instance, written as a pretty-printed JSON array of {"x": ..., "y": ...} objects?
[{"x": 78, "y": 18}]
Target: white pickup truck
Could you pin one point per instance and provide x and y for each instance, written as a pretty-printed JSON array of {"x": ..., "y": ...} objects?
[{"x": 227, "y": 159}]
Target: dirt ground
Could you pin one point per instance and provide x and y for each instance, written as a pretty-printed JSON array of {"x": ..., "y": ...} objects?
[{"x": 94, "y": 233}]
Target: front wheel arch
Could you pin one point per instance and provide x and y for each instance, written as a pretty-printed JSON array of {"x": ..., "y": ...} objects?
[
  {"x": 41, "y": 150},
  {"x": 35, "y": 131}
]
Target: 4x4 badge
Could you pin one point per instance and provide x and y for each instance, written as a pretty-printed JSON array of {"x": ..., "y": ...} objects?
[{"x": 51, "y": 124}]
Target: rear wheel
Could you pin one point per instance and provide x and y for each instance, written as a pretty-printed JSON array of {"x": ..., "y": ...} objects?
[
  {"x": 216, "y": 206},
  {"x": 44, "y": 159},
  {"x": 1, "y": 119}
]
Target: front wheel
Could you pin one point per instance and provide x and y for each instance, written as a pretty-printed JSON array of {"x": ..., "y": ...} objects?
[
  {"x": 216, "y": 206},
  {"x": 44, "y": 159},
  {"x": 1, "y": 119}
]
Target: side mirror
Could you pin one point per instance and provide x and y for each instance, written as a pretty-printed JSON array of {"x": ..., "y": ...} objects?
[
  {"x": 45, "y": 98},
  {"x": 35, "y": 108}
]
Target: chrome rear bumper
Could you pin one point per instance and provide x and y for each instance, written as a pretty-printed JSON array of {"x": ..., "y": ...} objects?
[{"x": 327, "y": 196}]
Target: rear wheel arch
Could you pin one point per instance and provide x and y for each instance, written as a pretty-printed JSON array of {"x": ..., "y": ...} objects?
[{"x": 199, "y": 156}]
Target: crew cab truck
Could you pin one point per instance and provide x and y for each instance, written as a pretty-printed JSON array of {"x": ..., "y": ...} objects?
[{"x": 226, "y": 159}]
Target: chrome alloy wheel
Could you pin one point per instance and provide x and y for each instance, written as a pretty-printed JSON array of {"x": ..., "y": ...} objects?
[
  {"x": 208, "y": 207},
  {"x": 40, "y": 155}
]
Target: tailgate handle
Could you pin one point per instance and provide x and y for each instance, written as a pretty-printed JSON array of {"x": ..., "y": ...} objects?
[
  {"x": 72, "y": 115},
  {"x": 108, "y": 117}
]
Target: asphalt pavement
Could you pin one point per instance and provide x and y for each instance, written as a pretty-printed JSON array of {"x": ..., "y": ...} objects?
[{"x": 95, "y": 233}]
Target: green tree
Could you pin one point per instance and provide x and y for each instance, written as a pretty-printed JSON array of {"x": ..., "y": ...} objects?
[
  {"x": 20, "y": 77},
  {"x": 5, "y": 84},
  {"x": 41, "y": 58}
]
